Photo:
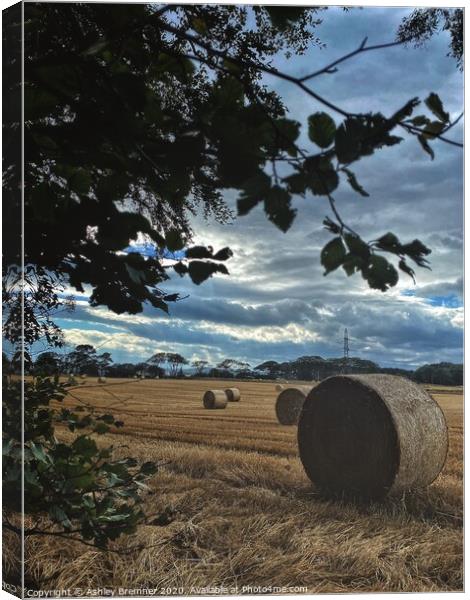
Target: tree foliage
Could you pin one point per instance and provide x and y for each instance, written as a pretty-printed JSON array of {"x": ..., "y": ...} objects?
[
  {"x": 85, "y": 493},
  {"x": 423, "y": 23},
  {"x": 137, "y": 116}
]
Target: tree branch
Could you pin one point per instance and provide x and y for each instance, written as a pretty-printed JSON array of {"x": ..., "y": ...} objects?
[{"x": 362, "y": 48}]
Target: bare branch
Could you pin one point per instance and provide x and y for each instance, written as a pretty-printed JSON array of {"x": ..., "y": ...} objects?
[{"x": 362, "y": 48}]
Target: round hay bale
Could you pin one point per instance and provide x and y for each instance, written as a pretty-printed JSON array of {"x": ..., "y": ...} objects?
[
  {"x": 214, "y": 399},
  {"x": 101, "y": 379},
  {"x": 279, "y": 387},
  {"x": 233, "y": 394},
  {"x": 366, "y": 436},
  {"x": 82, "y": 376},
  {"x": 289, "y": 403}
]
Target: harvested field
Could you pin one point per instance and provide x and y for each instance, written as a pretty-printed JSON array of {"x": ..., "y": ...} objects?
[{"x": 244, "y": 512}]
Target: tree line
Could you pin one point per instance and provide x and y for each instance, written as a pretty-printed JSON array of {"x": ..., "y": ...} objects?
[{"x": 85, "y": 360}]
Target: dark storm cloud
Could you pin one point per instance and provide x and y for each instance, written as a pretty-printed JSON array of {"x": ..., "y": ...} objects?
[{"x": 276, "y": 282}]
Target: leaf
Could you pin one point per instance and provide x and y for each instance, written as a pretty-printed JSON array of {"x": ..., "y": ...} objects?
[
  {"x": 332, "y": 255},
  {"x": 348, "y": 140},
  {"x": 254, "y": 190},
  {"x": 331, "y": 225},
  {"x": 419, "y": 121},
  {"x": 85, "y": 446},
  {"x": 352, "y": 264},
  {"x": 278, "y": 209},
  {"x": 380, "y": 274},
  {"x": 425, "y": 145},
  {"x": 297, "y": 183},
  {"x": 321, "y": 177},
  {"x": 200, "y": 270},
  {"x": 434, "y": 103},
  {"x": 286, "y": 133},
  {"x": 405, "y": 111},
  {"x": 173, "y": 240},
  {"x": 357, "y": 246},
  {"x": 59, "y": 516},
  {"x": 433, "y": 129},
  {"x": 354, "y": 183},
  {"x": 402, "y": 264},
  {"x": 321, "y": 129},
  {"x": 223, "y": 254},
  {"x": 198, "y": 252},
  {"x": 390, "y": 243},
  {"x": 38, "y": 452}
]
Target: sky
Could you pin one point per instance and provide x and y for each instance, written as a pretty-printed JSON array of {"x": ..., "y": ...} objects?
[{"x": 276, "y": 304}]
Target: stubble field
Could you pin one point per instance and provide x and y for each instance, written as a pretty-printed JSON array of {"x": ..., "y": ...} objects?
[{"x": 241, "y": 516}]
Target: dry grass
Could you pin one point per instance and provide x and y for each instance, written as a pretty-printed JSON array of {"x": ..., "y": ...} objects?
[{"x": 244, "y": 512}]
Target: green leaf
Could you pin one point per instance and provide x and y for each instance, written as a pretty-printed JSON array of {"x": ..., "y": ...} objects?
[
  {"x": 357, "y": 246},
  {"x": 200, "y": 270},
  {"x": 254, "y": 191},
  {"x": 352, "y": 264},
  {"x": 434, "y": 103},
  {"x": 433, "y": 129},
  {"x": 390, "y": 243},
  {"x": 332, "y": 255},
  {"x": 38, "y": 452},
  {"x": 356, "y": 186},
  {"x": 425, "y": 145},
  {"x": 348, "y": 140},
  {"x": 405, "y": 111},
  {"x": 278, "y": 208},
  {"x": 321, "y": 129},
  {"x": 85, "y": 446},
  {"x": 297, "y": 183},
  {"x": 321, "y": 177},
  {"x": 419, "y": 121},
  {"x": 59, "y": 516},
  {"x": 380, "y": 274},
  {"x": 403, "y": 265}
]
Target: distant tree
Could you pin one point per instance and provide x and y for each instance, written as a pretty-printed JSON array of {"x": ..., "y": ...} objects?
[
  {"x": 82, "y": 360},
  {"x": 200, "y": 365},
  {"x": 232, "y": 364},
  {"x": 103, "y": 362},
  {"x": 175, "y": 362},
  {"x": 270, "y": 367},
  {"x": 158, "y": 359},
  {"x": 443, "y": 373},
  {"x": 48, "y": 363}
]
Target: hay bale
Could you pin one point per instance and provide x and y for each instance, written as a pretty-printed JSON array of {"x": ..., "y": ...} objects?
[
  {"x": 289, "y": 403},
  {"x": 233, "y": 394},
  {"x": 101, "y": 379},
  {"x": 366, "y": 436},
  {"x": 214, "y": 399},
  {"x": 279, "y": 387}
]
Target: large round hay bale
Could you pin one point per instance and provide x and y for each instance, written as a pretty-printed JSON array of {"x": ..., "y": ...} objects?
[
  {"x": 233, "y": 394},
  {"x": 279, "y": 387},
  {"x": 370, "y": 435},
  {"x": 101, "y": 379},
  {"x": 214, "y": 399},
  {"x": 289, "y": 403}
]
